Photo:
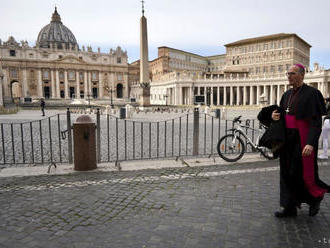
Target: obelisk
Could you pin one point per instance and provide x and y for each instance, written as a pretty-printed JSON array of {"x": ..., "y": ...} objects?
[
  {"x": 144, "y": 60},
  {"x": 1, "y": 85}
]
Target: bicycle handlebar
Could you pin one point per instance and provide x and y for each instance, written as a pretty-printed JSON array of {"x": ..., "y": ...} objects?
[{"x": 237, "y": 119}]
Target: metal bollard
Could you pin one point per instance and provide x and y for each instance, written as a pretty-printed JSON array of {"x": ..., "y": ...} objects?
[
  {"x": 196, "y": 132},
  {"x": 84, "y": 143},
  {"x": 217, "y": 113}
]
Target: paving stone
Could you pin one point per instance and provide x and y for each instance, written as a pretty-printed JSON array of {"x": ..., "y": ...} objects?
[{"x": 156, "y": 208}]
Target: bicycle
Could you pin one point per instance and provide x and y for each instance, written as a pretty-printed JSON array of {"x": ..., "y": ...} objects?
[{"x": 232, "y": 148}]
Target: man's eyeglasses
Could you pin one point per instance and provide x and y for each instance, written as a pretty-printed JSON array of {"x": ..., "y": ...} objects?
[{"x": 290, "y": 73}]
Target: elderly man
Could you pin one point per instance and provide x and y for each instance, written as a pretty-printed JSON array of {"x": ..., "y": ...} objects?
[{"x": 299, "y": 181}]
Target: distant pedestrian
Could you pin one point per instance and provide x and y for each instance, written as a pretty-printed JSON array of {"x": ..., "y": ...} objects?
[
  {"x": 42, "y": 105},
  {"x": 325, "y": 135},
  {"x": 327, "y": 105}
]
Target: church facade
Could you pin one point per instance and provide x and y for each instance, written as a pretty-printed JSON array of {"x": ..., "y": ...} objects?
[{"x": 56, "y": 68}]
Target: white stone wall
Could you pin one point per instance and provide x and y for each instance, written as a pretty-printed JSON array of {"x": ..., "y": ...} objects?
[
  {"x": 245, "y": 91},
  {"x": 157, "y": 95}
]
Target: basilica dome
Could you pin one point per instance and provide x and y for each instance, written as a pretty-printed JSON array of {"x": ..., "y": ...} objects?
[{"x": 55, "y": 34}]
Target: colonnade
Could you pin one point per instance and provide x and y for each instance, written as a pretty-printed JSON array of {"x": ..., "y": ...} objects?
[
  {"x": 60, "y": 87},
  {"x": 234, "y": 94}
]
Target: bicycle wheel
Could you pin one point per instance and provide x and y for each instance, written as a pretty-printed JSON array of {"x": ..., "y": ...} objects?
[
  {"x": 266, "y": 152},
  {"x": 230, "y": 148}
]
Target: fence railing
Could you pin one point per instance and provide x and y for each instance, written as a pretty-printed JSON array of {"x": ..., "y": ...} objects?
[
  {"x": 34, "y": 142},
  {"x": 49, "y": 140}
]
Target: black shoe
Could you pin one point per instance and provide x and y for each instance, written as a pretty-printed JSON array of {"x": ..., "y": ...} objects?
[
  {"x": 315, "y": 207},
  {"x": 286, "y": 212}
]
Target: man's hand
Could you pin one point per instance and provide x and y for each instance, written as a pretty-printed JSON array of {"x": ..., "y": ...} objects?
[
  {"x": 275, "y": 115},
  {"x": 307, "y": 150}
]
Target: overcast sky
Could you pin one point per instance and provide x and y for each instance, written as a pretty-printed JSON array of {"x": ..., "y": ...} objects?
[{"x": 197, "y": 26}]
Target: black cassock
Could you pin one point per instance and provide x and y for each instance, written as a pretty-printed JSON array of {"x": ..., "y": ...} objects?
[{"x": 305, "y": 106}]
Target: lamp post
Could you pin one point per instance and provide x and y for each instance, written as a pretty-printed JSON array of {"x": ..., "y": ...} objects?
[
  {"x": 111, "y": 100},
  {"x": 89, "y": 99},
  {"x": 110, "y": 90}
]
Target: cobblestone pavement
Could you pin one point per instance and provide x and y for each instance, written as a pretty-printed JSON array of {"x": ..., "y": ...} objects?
[{"x": 217, "y": 206}]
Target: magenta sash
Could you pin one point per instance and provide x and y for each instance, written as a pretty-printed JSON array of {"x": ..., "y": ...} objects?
[{"x": 308, "y": 161}]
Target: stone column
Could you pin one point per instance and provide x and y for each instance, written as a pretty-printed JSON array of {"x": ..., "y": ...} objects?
[
  {"x": 66, "y": 93},
  {"x": 278, "y": 95},
  {"x": 265, "y": 93},
  {"x": 238, "y": 96},
  {"x": 85, "y": 84},
  {"x": 218, "y": 96},
  {"x": 6, "y": 83},
  {"x": 126, "y": 84},
  {"x": 77, "y": 85},
  {"x": 57, "y": 78},
  {"x": 53, "y": 83},
  {"x": 251, "y": 101},
  {"x": 100, "y": 85},
  {"x": 24, "y": 83},
  {"x": 258, "y": 95},
  {"x": 39, "y": 84},
  {"x": 271, "y": 100},
  {"x": 231, "y": 95},
  {"x": 90, "y": 83},
  {"x": 198, "y": 90},
  {"x": 176, "y": 95},
  {"x": 244, "y": 95}
]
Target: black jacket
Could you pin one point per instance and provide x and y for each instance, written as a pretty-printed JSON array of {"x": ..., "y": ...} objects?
[{"x": 274, "y": 137}]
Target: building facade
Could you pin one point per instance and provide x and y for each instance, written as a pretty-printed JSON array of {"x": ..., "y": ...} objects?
[
  {"x": 181, "y": 89},
  {"x": 250, "y": 73},
  {"x": 56, "y": 68},
  {"x": 174, "y": 60},
  {"x": 267, "y": 55}
]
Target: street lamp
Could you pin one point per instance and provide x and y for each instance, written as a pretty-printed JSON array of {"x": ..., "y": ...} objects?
[{"x": 110, "y": 91}]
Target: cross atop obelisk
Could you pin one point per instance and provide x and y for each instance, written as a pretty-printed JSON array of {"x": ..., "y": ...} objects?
[{"x": 142, "y": 7}]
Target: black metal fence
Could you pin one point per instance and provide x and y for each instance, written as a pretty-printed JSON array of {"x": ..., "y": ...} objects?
[
  {"x": 50, "y": 140},
  {"x": 34, "y": 142}
]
